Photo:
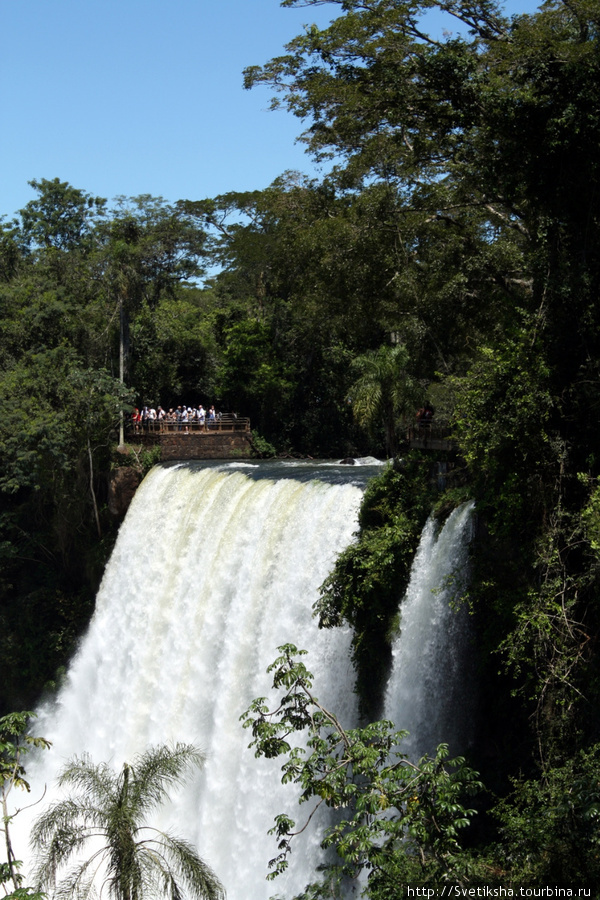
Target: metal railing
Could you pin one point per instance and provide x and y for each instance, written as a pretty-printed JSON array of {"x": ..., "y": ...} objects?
[
  {"x": 209, "y": 426},
  {"x": 424, "y": 433}
]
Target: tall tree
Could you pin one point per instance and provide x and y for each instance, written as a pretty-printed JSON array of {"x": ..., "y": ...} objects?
[
  {"x": 134, "y": 860},
  {"x": 61, "y": 218},
  {"x": 149, "y": 249},
  {"x": 384, "y": 391}
]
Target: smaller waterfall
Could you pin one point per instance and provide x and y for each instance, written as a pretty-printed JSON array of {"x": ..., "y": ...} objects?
[{"x": 430, "y": 690}]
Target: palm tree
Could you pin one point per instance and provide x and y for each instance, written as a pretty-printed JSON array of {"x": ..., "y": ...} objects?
[
  {"x": 384, "y": 390},
  {"x": 108, "y": 810}
]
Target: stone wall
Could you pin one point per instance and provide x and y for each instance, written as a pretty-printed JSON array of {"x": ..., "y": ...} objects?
[{"x": 220, "y": 445}]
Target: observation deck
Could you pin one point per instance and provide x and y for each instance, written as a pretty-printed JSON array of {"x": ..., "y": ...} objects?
[{"x": 228, "y": 437}]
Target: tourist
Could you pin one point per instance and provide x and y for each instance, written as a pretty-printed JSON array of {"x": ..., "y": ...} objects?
[
  {"x": 428, "y": 414},
  {"x": 189, "y": 419}
]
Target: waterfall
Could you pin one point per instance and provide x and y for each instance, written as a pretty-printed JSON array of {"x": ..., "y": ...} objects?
[
  {"x": 430, "y": 690},
  {"x": 214, "y": 567}
]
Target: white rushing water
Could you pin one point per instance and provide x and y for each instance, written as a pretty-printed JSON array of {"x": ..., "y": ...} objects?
[
  {"x": 216, "y": 566},
  {"x": 430, "y": 690},
  {"x": 213, "y": 569}
]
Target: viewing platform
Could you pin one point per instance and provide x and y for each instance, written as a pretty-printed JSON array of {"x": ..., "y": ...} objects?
[
  {"x": 430, "y": 436},
  {"x": 228, "y": 437}
]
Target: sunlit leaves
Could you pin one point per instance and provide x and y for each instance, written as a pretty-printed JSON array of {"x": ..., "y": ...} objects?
[{"x": 389, "y": 807}]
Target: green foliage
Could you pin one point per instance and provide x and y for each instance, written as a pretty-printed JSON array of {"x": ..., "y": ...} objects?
[
  {"x": 16, "y": 741},
  {"x": 462, "y": 219},
  {"x": 287, "y": 251},
  {"x": 54, "y": 406},
  {"x": 54, "y": 441},
  {"x": 149, "y": 458},
  {"x": 384, "y": 391},
  {"x": 252, "y": 377},
  {"x": 371, "y": 575},
  {"x": 590, "y": 514},
  {"x": 502, "y": 413},
  {"x": 173, "y": 349},
  {"x": 549, "y": 826},
  {"x": 61, "y": 218},
  {"x": 141, "y": 458},
  {"x": 148, "y": 254},
  {"x": 397, "y": 817},
  {"x": 25, "y": 893},
  {"x": 261, "y": 448},
  {"x": 135, "y": 860}
]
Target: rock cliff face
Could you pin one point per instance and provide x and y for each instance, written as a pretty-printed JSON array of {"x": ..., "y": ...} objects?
[{"x": 122, "y": 486}]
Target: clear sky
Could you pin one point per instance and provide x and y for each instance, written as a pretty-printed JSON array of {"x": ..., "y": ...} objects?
[{"x": 145, "y": 96}]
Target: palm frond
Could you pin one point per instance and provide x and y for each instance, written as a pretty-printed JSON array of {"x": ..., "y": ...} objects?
[
  {"x": 179, "y": 862},
  {"x": 192, "y": 870},
  {"x": 79, "y": 883},
  {"x": 95, "y": 781},
  {"x": 113, "y": 806},
  {"x": 160, "y": 768}
]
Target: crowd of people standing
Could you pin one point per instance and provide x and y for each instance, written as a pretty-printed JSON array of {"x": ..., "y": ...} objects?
[{"x": 183, "y": 418}]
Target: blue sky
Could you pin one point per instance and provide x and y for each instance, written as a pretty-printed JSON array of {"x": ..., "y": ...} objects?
[{"x": 145, "y": 96}]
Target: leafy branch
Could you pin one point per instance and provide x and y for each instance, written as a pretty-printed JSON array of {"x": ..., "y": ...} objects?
[
  {"x": 393, "y": 808},
  {"x": 15, "y": 742}
]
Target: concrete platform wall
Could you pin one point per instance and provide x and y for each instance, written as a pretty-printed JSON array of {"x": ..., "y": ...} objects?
[{"x": 178, "y": 445}]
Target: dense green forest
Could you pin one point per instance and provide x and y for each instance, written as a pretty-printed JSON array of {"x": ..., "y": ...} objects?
[{"x": 451, "y": 255}]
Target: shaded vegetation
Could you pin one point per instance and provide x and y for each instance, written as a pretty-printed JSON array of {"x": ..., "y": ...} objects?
[{"x": 371, "y": 574}]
